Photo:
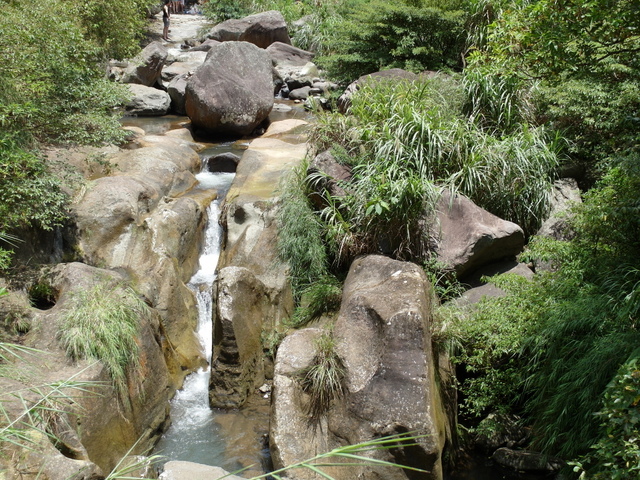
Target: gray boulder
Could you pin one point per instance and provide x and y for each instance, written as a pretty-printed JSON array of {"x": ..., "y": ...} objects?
[
  {"x": 179, "y": 470},
  {"x": 261, "y": 29},
  {"x": 327, "y": 175},
  {"x": 480, "y": 289},
  {"x": 467, "y": 236},
  {"x": 526, "y": 461},
  {"x": 285, "y": 54},
  {"x": 146, "y": 67},
  {"x": 300, "y": 93},
  {"x": 176, "y": 90},
  {"x": 383, "y": 338},
  {"x": 232, "y": 92},
  {"x": 565, "y": 194},
  {"x": 205, "y": 46},
  {"x": 148, "y": 101}
]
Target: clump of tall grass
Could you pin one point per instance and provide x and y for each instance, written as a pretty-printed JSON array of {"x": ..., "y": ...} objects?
[
  {"x": 417, "y": 133},
  {"x": 300, "y": 232},
  {"x": 102, "y": 323},
  {"x": 323, "y": 379},
  {"x": 321, "y": 297}
]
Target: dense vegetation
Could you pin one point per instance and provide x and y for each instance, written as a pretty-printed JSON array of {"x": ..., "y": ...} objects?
[
  {"x": 53, "y": 55},
  {"x": 532, "y": 87},
  {"x": 547, "y": 87}
]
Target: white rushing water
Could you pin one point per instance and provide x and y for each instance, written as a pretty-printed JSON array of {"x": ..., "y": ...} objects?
[{"x": 193, "y": 434}]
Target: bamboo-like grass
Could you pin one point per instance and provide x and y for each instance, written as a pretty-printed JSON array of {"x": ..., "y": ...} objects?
[{"x": 102, "y": 323}]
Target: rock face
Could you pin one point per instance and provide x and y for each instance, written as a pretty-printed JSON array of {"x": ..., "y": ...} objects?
[
  {"x": 468, "y": 236},
  {"x": 252, "y": 292},
  {"x": 526, "y": 461},
  {"x": 148, "y": 101},
  {"x": 383, "y": 337},
  {"x": 146, "y": 67},
  {"x": 232, "y": 92},
  {"x": 261, "y": 29},
  {"x": 328, "y": 174},
  {"x": 102, "y": 424},
  {"x": 140, "y": 221},
  {"x": 565, "y": 194}
]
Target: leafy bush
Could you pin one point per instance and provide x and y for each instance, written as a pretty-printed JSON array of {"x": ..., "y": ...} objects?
[
  {"x": 102, "y": 323},
  {"x": 56, "y": 85},
  {"x": 28, "y": 194},
  {"x": 545, "y": 337},
  {"x": 116, "y": 27},
  {"x": 221, "y": 10},
  {"x": 381, "y": 35},
  {"x": 616, "y": 456}
]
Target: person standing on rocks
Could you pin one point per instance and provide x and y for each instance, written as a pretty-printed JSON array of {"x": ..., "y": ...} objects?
[{"x": 165, "y": 20}]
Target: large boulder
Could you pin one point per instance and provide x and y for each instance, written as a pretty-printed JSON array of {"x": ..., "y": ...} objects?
[
  {"x": 146, "y": 67},
  {"x": 382, "y": 335},
  {"x": 102, "y": 422},
  {"x": 253, "y": 292},
  {"x": 147, "y": 101},
  {"x": 232, "y": 92},
  {"x": 285, "y": 54},
  {"x": 176, "y": 90},
  {"x": 140, "y": 221},
  {"x": 467, "y": 236},
  {"x": 261, "y": 29}
]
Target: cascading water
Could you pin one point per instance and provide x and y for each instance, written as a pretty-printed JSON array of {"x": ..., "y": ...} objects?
[{"x": 193, "y": 435}]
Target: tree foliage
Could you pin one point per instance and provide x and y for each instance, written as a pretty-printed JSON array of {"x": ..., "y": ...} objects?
[{"x": 381, "y": 35}]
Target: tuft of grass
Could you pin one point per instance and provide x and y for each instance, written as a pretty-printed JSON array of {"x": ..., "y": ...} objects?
[
  {"x": 323, "y": 380},
  {"x": 102, "y": 323},
  {"x": 321, "y": 297}
]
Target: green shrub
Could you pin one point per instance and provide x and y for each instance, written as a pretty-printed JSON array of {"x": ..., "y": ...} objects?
[
  {"x": 404, "y": 138},
  {"x": 221, "y": 10},
  {"x": 29, "y": 195},
  {"x": 616, "y": 456},
  {"x": 56, "y": 86},
  {"x": 321, "y": 297},
  {"x": 102, "y": 323},
  {"x": 381, "y": 35}
]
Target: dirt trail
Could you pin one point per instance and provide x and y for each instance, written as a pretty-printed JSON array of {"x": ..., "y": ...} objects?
[{"x": 182, "y": 27}]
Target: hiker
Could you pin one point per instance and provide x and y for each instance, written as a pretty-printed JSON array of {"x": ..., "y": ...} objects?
[{"x": 165, "y": 20}]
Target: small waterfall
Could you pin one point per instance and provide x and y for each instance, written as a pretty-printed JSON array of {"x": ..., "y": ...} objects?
[{"x": 193, "y": 433}]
